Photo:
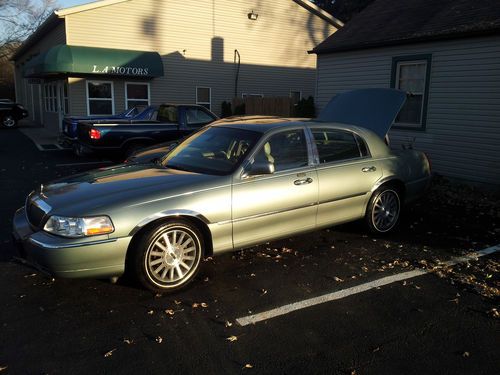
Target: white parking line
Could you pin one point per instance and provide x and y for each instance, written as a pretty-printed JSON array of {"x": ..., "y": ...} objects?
[
  {"x": 286, "y": 309},
  {"x": 84, "y": 163}
]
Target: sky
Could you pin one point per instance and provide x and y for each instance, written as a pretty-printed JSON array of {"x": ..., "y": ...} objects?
[{"x": 72, "y": 3}]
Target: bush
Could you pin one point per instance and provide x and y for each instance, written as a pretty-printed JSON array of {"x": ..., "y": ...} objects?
[
  {"x": 226, "y": 110},
  {"x": 305, "y": 108}
]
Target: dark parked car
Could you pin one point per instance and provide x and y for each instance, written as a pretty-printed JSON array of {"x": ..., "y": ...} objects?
[
  {"x": 69, "y": 124},
  {"x": 11, "y": 113},
  {"x": 123, "y": 137}
]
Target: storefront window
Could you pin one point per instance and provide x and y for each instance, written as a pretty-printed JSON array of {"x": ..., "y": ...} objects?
[
  {"x": 100, "y": 98},
  {"x": 136, "y": 94}
]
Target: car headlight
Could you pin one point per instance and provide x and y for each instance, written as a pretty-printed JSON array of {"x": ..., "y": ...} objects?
[{"x": 74, "y": 227}]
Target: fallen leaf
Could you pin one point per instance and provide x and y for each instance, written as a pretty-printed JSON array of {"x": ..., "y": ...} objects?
[
  {"x": 228, "y": 323},
  {"x": 3, "y": 368},
  {"x": 151, "y": 312},
  {"x": 338, "y": 279},
  {"x": 263, "y": 291},
  {"x": 159, "y": 339},
  {"x": 232, "y": 338},
  {"x": 248, "y": 365},
  {"x": 169, "y": 312},
  {"x": 466, "y": 354},
  {"x": 177, "y": 302},
  {"x": 128, "y": 341},
  {"x": 110, "y": 353},
  {"x": 203, "y": 304}
]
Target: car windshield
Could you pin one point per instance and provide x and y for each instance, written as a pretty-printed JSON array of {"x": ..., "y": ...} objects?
[{"x": 213, "y": 150}]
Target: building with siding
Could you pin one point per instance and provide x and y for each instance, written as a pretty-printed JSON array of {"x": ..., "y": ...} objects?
[
  {"x": 447, "y": 55},
  {"x": 103, "y": 57}
]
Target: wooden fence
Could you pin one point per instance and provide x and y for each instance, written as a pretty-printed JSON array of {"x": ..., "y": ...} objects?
[{"x": 270, "y": 106}]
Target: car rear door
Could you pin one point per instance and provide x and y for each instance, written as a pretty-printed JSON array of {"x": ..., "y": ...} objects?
[
  {"x": 275, "y": 205},
  {"x": 346, "y": 174}
]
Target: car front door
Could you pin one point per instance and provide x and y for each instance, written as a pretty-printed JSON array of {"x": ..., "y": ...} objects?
[
  {"x": 270, "y": 206},
  {"x": 346, "y": 174}
]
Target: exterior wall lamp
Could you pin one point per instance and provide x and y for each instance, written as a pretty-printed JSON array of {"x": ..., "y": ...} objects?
[{"x": 253, "y": 16}]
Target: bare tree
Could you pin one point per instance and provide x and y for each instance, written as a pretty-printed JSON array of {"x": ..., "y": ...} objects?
[{"x": 20, "y": 18}]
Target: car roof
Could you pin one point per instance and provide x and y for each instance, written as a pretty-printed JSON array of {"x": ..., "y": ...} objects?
[{"x": 263, "y": 124}]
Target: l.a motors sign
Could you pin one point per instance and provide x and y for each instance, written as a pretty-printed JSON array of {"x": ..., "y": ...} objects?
[{"x": 121, "y": 70}]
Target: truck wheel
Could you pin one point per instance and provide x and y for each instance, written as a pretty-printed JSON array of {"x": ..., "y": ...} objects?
[
  {"x": 78, "y": 149},
  {"x": 9, "y": 121},
  {"x": 384, "y": 208},
  {"x": 167, "y": 257}
]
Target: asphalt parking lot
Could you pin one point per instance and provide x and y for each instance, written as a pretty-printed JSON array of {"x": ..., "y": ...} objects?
[{"x": 444, "y": 320}]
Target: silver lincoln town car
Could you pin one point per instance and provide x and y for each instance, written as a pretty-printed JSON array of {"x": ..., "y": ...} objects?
[{"x": 233, "y": 184}]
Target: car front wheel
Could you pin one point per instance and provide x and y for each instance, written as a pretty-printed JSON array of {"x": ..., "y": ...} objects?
[
  {"x": 9, "y": 121},
  {"x": 167, "y": 257},
  {"x": 384, "y": 209}
]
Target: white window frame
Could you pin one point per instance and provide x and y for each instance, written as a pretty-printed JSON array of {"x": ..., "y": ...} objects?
[
  {"x": 399, "y": 64},
  {"x": 50, "y": 97},
  {"x": 137, "y": 83},
  {"x": 87, "y": 81},
  {"x": 209, "y": 96}
]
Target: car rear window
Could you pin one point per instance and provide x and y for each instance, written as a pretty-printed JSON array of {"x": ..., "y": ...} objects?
[{"x": 336, "y": 145}]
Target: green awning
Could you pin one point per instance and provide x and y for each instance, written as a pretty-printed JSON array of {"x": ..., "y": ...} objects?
[{"x": 66, "y": 60}]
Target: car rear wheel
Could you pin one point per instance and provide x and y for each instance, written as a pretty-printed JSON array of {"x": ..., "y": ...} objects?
[
  {"x": 384, "y": 209},
  {"x": 167, "y": 257},
  {"x": 9, "y": 121}
]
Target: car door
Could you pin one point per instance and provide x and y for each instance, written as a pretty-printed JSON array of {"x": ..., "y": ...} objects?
[
  {"x": 283, "y": 203},
  {"x": 346, "y": 174}
]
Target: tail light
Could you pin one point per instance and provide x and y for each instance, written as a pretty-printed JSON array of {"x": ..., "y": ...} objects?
[{"x": 95, "y": 134}]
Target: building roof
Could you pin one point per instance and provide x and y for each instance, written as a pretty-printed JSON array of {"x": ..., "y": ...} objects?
[{"x": 389, "y": 22}]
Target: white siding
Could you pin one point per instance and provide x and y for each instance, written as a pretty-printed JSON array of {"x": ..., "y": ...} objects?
[{"x": 462, "y": 135}]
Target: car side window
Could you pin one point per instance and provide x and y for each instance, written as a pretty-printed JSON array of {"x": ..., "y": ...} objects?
[
  {"x": 167, "y": 113},
  {"x": 196, "y": 117},
  {"x": 335, "y": 145},
  {"x": 286, "y": 150}
]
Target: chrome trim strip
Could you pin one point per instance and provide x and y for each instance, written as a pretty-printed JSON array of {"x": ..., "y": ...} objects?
[
  {"x": 265, "y": 214},
  {"x": 344, "y": 197},
  {"x": 45, "y": 207},
  {"x": 50, "y": 246},
  {"x": 164, "y": 214}
]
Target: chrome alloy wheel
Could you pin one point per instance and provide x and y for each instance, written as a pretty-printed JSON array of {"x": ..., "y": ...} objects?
[
  {"x": 172, "y": 256},
  {"x": 385, "y": 212},
  {"x": 9, "y": 121}
]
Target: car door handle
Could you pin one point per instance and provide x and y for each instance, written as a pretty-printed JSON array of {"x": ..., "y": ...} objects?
[
  {"x": 304, "y": 181},
  {"x": 369, "y": 169}
]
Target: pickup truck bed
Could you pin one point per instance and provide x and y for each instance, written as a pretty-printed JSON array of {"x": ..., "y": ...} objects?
[{"x": 123, "y": 137}]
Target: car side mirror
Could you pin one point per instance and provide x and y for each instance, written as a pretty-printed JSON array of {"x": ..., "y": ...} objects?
[{"x": 258, "y": 169}]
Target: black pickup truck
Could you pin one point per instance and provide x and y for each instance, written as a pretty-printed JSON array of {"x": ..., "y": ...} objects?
[{"x": 119, "y": 138}]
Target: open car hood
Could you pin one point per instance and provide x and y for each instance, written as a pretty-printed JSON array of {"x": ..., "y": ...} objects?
[{"x": 373, "y": 109}]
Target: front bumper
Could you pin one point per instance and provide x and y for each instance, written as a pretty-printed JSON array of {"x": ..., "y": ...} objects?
[{"x": 98, "y": 256}]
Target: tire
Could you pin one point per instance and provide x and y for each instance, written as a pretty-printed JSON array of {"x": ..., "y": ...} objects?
[
  {"x": 78, "y": 150},
  {"x": 384, "y": 209},
  {"x": 9, "y": 121},
  {"x": 161, "y": 267}
]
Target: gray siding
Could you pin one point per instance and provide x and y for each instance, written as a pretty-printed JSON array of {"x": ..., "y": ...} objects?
[{"x": 462, "y": 135}]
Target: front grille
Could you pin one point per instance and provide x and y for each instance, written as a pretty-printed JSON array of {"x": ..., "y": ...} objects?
[{"x": 36, "y": 210}]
